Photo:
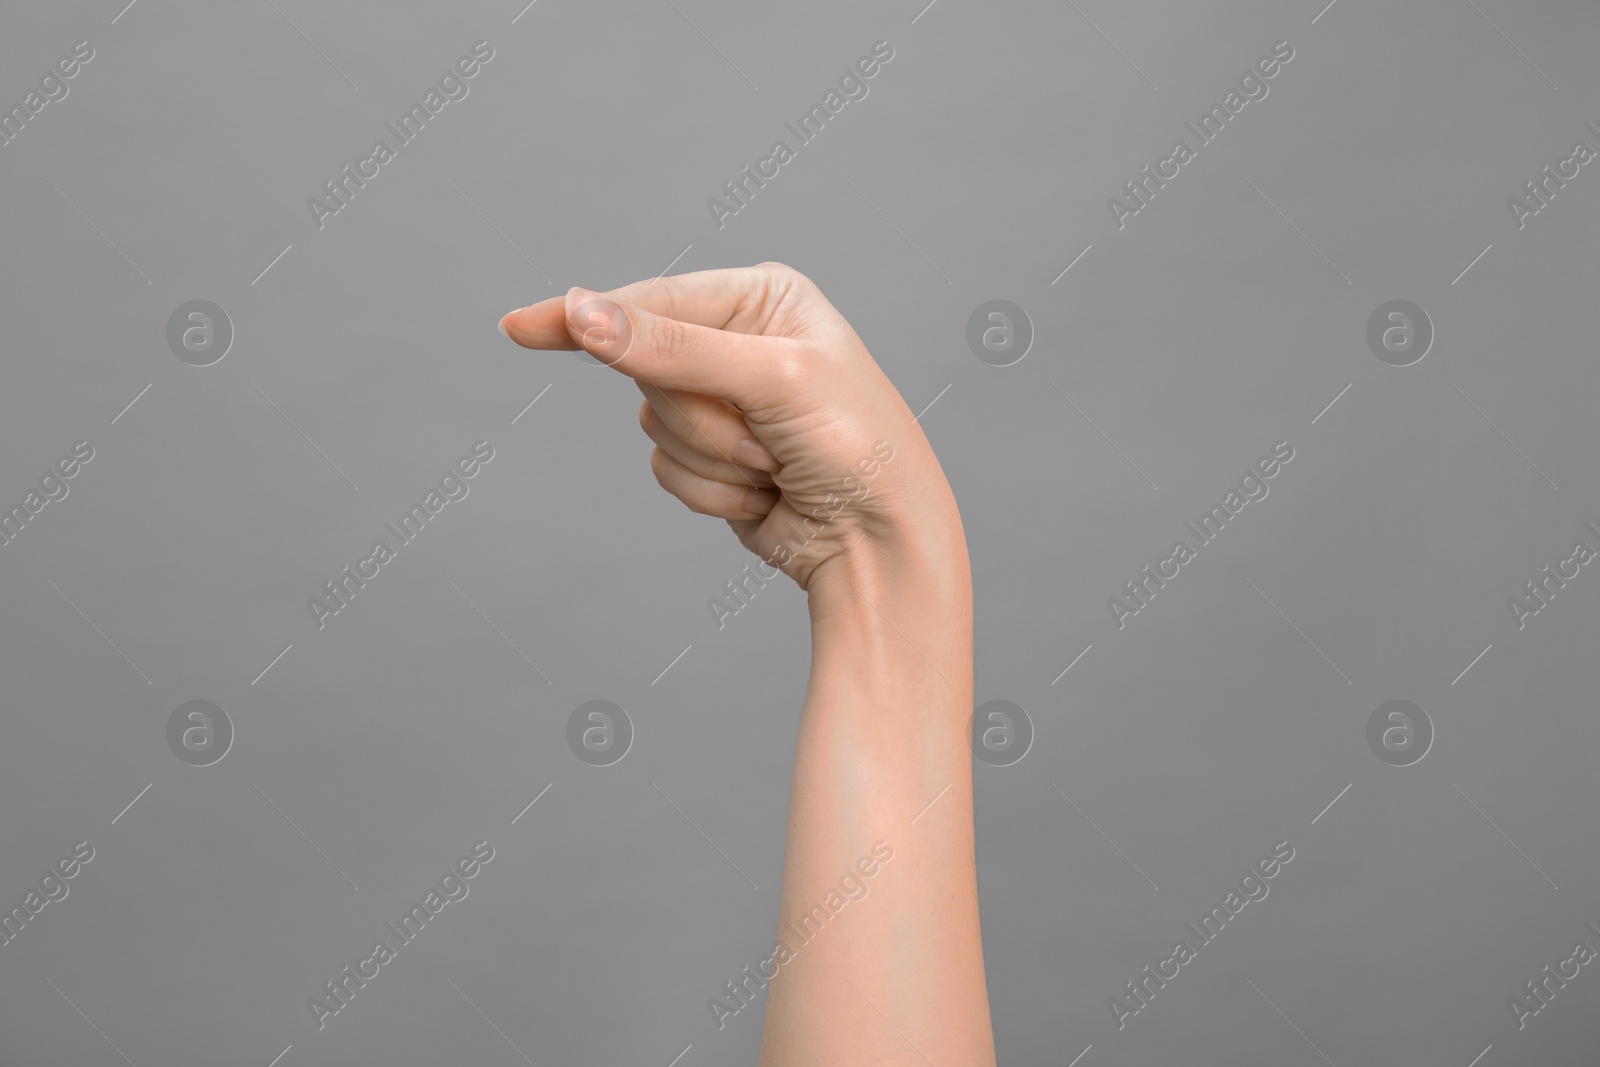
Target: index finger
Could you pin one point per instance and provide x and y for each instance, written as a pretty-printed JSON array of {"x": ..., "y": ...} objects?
[{"x": 734, "y": 299}]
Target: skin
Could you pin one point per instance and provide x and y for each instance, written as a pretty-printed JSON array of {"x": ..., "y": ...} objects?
[{"x": 767, "y": 411}]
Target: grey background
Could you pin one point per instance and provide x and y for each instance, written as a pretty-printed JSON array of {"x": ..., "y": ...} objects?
[{"x": 1194, "y": 338}]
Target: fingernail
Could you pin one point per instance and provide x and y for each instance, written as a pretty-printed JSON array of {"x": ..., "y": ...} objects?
[
  {"x": 752, "y": 453},
  {"x": 760, "y": 501}
]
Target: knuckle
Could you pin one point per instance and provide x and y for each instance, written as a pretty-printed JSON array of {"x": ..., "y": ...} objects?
[
  {"x": 669, "y": 337},
  {"x": 792, "y": 366},
  {"x": 660, "y": 465}
]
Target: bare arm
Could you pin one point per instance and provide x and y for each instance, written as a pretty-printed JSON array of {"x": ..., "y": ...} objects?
[{"x": 767, "y": 411}]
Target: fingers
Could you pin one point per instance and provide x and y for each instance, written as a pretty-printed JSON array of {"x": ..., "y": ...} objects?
[
  {"x": 708, "y": 496},
  {"x": 709, "y": 425},
  {"x": 749, "y": 371},
  {"x": 719, "y": 470},
  {"x": 738, "y": 300}
]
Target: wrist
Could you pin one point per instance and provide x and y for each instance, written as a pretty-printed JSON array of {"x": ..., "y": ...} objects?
[{"x": 915, "y": 579}]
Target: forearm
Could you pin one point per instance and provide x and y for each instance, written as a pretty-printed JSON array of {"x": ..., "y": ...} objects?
[{"x": 884, "y": 756}]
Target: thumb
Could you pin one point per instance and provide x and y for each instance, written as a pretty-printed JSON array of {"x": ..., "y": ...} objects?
[{"x": 745, "y": 369}]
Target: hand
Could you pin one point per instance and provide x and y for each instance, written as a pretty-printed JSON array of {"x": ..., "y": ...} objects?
[{"x": 767, "y": 411}]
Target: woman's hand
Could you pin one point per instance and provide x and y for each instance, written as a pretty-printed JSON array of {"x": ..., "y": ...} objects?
[{"x": 769, "y": 412}]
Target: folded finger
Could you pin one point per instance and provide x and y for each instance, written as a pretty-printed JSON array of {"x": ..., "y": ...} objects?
[
  {"x": 707, "y": 496},
  {"x": 696, "y": 460},
  {"x": 709, "y": 425}
]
